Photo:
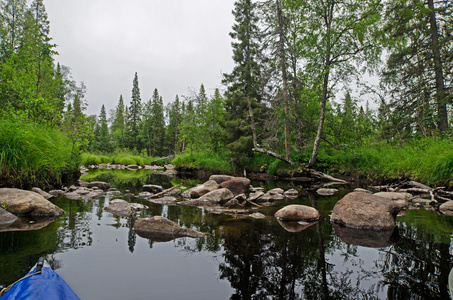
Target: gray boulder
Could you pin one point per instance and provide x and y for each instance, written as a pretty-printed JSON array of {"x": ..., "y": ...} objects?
[
  {"x": 365, "y": 211},
  {"x": 99, "y": 184},
  {"x": 255, "y": 196},
  {"x": 447, "y": 208},
  {"x": 20, "y": 202},
  {"x": 123, "y": 208},
  {"x": 168, "y": 200},
  {"x": 153, "y": 188},
  {"x": 276, "y": 191},
  {"x": 326, "y": 192},
  {"x": 362, "y": 190},
  {"x": 220, "y": 178},
  {"x": 28, "y": 224},
  {"x": 237, "y": 185},
  {"x": 6, "y": 218},
  {"x": 201, "y": 189},
  {"x": 42, "y": 193},
  {"x": 297, "y": 212},
  {"x": 212, "y": 198},
  {"x": 162, "y": 229},
  {"x": 291, "y": 193}
]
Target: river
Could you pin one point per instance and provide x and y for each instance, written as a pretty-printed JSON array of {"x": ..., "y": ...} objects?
[{"x": 101, "y": 257}]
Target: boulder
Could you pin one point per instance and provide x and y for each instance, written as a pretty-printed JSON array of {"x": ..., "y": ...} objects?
[
  {"x": 144, "y": 195},
  {"x": 153, "y": 188},
  {"x": 237, "y": 185},
  {"x": 291, "y": 193},
  {"x": 20, "y": 202},
  {"x": 132, "y": 167},
  {"x": 201, "y": 189},
  {"x": 367, "y": 237},
  {"x": 276, "y": 191},
  {"x": 255, "y": 196},
  {"x": 447, "y": 208},
  {"x": 6, "y": 218},
  {"x": 102, "y": 185},
  {"x": 123, "y": 208},
  {"x": 42, "y": 193},
  {"x": 168, "y": 200},
  {"x": 297, "y": 212},
  {"x": 257, "y": 215},
  {"x": 218, "y": 196},
  {"x": 162, "y": 229},
  {"x": 266, "y": 198},
  {"x": 394, "y": 196},
  {"x": 326, "y": 192},
  {"x": 55, "y": 193},
  {"x": 256, "y": 189},
  {"x": 365, "y": 211},
  {"x": 220, "y": 178}
]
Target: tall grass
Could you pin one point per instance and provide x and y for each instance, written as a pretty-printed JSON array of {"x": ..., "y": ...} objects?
[
  {"x": 208, "y": 161},
  {"x": 34, "y": 154},
  {"x": 429, "y": 160},
  {"x": 117, "y": 158}
]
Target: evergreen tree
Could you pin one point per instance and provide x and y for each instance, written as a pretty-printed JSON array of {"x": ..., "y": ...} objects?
[
  {"x": 243, "y": 83},
  {"x": 103, "y": 139},
  {"x": 118, "y": 125},
  {"x": 135, "y": 112},
  {"x": 173, "y": 114}
]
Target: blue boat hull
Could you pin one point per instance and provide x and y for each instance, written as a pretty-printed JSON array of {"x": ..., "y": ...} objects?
[{"x": 46, "y": 285}]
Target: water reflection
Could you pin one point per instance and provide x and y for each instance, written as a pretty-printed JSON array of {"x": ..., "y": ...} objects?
[{"x": 259, "y": 259}]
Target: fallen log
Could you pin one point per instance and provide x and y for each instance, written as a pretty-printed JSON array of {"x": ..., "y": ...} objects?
[
  {"x": 165, "y": 191},
  {"x": 273, "y": 154}
]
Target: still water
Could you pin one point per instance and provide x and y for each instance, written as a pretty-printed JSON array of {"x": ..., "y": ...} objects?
[{"x": 101, "y": 257}]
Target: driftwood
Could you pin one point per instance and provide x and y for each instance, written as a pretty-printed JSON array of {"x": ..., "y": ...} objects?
[
  {"x": 273, "y": 154},
  {"x": 165, "y": 191},
  {"x": 413, "y": 187}
]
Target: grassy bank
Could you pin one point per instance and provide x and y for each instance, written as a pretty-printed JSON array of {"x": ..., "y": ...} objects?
[
  {"x": 122, "y": 158},
  {"x": 428, "y": 160},
  {"x": 32, "y": 154}
]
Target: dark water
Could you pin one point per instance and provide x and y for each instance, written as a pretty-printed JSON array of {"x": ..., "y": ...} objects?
[{"x": 101, "y": 257}]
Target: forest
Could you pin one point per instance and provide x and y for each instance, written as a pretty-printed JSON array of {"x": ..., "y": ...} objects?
[{"x": 348, "y": 87}]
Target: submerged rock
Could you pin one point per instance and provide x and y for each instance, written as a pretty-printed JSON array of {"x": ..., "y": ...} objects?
[
  {"x": 326, "y": 192},
  {"x": 293, "y": 226},
  {"x": 6, "y": 218},
  {"x": 162, "y": 229},
  {"x": 257, "y": 215},
  {"x": 153, "y": 188},
  {"x": 123, "y": 208},
  {"x": 20, "y": 202},
  {"x": 365, "y": 211},
  {"x": 168, "y": 200},
  {"x": 367, "y": 237},
  {"x": 297, "y": 212},
  {"x": 447, "y": 208},
  {"x": 28, "y": 224},
  {"x": 99, "y": 184}
]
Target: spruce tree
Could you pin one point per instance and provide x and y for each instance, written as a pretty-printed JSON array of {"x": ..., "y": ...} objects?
[
  {"x": 118, "y": 125},
  {"x": 243, "y": 83},
  {"x": 135, "y": 112}
]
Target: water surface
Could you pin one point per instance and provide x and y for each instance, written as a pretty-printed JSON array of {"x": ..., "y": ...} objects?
[{"x": 101, "y": 257}]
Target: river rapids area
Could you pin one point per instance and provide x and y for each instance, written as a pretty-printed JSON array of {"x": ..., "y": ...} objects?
[{"x": 101, "y": 256}]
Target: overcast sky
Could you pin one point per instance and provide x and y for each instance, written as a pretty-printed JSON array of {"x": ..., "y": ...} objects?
[{"x": 173, "y": 45}]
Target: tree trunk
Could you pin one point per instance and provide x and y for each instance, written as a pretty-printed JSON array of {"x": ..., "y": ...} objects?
[
  {"x": 442, "y": 115},
  {"x": 328, "y": 20},
  {"x": 252, "y": 123},
  {"x": 284, "y": 78}
]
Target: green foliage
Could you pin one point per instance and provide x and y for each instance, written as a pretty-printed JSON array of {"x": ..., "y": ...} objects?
[
  {"x": 209, "y": 161},
  {"x": 32, "y": 153}
]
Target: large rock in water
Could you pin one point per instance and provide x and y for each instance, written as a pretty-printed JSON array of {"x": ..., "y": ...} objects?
[
  {"x": 237, "y": 185},
  {"x": 297, "y": 212},
  {"x": 365, "y": 211},
  {"x": 201, "y": 189},
  {"x": 6, "y": 218},
  {"x": 220, "y": 178},
  {"x": 161, "y": 229},
  {"x": 123, "y": 208},
  {"x": 27, "y": 203},
  {"x": 447, "y": 208}
]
